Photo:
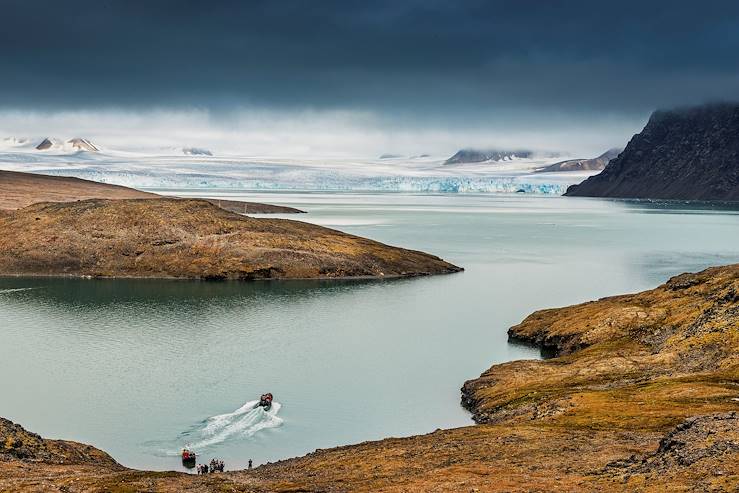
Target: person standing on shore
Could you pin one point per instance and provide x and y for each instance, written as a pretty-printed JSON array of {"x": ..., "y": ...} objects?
[{"x": 249, "y": 463}]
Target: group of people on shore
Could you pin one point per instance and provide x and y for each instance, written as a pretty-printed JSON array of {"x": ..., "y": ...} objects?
[{"x": 216, "y": 465}]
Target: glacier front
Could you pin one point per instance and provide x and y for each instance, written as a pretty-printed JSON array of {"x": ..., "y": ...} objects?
[{"x": 418, "y": 174}]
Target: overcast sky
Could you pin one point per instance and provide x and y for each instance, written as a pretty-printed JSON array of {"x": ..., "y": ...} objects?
[{"x": 371, "y": 76}]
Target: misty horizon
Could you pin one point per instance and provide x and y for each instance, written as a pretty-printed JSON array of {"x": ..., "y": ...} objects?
[
  {"x": 344, "y": 79},
  {"x": 306, "y": 134}
]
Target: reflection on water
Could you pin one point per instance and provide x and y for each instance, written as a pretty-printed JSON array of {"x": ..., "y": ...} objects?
[
  {"x": 676, "y": 206},
  {"x": 96, "y": 292},
  {"x": 141, "y": 368}
]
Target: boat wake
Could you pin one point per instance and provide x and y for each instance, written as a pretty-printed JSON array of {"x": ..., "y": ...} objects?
[
  {"x": 243, "y": 422},
  {"x": 14, "y": 290}
]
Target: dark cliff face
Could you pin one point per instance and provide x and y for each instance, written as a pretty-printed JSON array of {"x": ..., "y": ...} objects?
[{"x": 686, "y": 154}]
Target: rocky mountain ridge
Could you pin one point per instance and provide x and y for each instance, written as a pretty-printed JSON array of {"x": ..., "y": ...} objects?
[
  {"x": 76, "y": 143},
  {"x": 683, "y": 154},
  {"x": 596, "y": 163},
  {"x": 480, "y": 155}
]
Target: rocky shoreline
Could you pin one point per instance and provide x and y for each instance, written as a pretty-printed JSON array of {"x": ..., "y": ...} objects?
[{"x": 643, "y": 395}]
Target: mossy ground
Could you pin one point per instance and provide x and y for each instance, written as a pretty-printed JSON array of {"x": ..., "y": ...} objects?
[{"x": 178, "y": 238}]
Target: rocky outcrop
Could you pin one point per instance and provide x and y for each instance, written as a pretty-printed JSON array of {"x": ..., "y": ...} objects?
[
  {"x": 703, "y": 441},
  {"x": 684, "y": 334},
  {"x": 594, "y": 164},
  {"x": 479, "y": 156},
  {"x": 183, "y": 238},
  {"x": 45, "y": 144},
  {"x": 196, "y": 151},
  {"x": 76, "y": 143},
  {"x": 83, "y": 144},
  {"x": 18, "y": 444},
  {"x": 685, "y": 154}
]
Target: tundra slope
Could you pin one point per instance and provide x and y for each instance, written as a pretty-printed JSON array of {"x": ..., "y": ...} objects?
[
  {"x": 643, "y": 397},
  {"x": 18, "y": 189},
  {"x": 189, "y": 238}
]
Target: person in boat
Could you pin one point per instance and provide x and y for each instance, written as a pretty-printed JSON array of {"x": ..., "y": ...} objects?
[{"x": 265, "y": 400}]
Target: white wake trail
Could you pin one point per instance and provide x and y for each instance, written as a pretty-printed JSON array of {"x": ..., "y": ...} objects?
[
  {"x": 14, "y": 290},
  {"x": 243, "y": 422}
]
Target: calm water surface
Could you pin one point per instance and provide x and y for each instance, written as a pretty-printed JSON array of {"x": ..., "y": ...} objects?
[{"x": 140, "y": 368}]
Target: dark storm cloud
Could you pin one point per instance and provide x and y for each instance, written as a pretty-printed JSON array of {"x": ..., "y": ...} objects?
[{"x": 412, "y": 57}]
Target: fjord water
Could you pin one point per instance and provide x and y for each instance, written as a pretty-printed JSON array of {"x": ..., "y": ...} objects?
[{"x": 140, "y": 368}]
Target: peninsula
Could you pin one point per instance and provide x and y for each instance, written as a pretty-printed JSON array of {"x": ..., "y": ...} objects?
[{"x": 189, "y": 238}]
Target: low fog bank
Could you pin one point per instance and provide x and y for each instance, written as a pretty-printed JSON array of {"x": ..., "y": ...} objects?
[{"x": 314, "y": 134}]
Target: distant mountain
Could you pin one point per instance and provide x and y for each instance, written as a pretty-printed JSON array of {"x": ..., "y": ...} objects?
[
  {"x": 686, "y": 154},
  {"x": 15, "y": 141},
  {"x": 196, "y": 151},
  {"x": 597, "y": 163},
  {"x": 82, "y": 144},
  {"x": 47, "y": 144},
  {"x": 479, "y": 156},
  {"x": 398, "y": 156},
  {"x": 76, "y": 143}
]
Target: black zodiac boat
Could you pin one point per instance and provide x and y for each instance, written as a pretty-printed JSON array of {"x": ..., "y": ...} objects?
[{"x": 188, "y": 457}]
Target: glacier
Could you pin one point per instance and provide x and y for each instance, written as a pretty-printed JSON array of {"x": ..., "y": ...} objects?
[{"x": 412, "y": 175}]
